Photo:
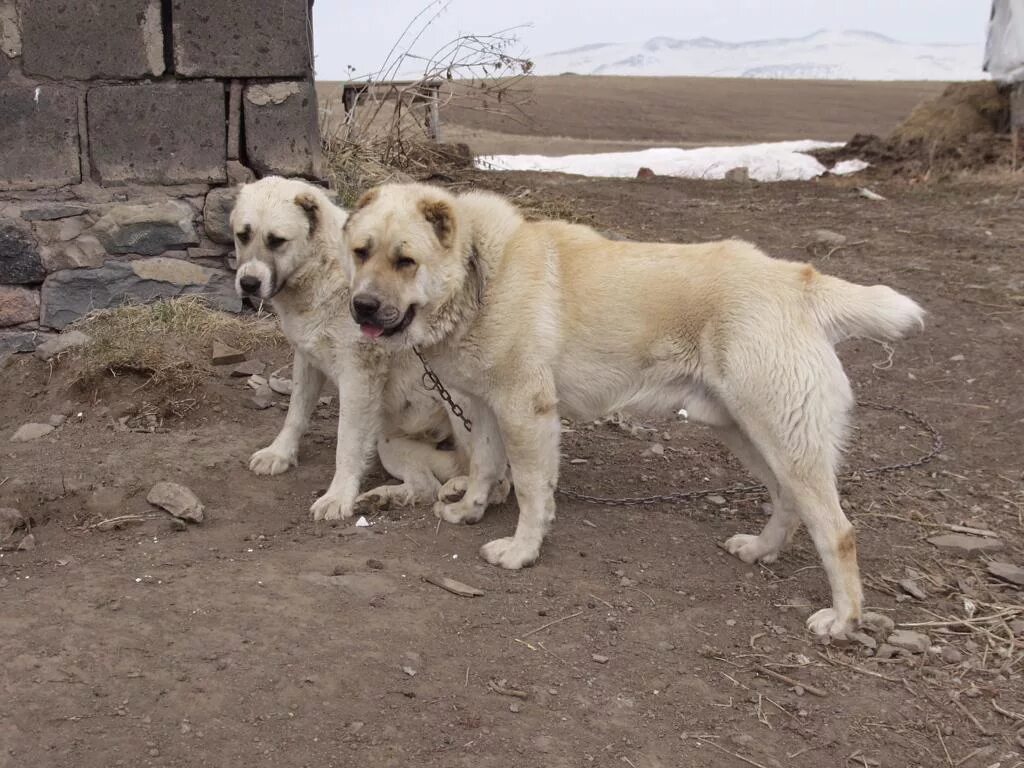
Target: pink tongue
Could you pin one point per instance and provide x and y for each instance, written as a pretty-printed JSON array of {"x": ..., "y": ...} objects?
[{"x": 371, "y": 330}]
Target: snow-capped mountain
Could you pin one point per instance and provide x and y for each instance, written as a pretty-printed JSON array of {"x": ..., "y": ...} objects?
[{"x": 837, "y": 55}]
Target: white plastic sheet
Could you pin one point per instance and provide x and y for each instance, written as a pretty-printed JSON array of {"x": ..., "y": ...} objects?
[{"x": 1004, "y": 49}]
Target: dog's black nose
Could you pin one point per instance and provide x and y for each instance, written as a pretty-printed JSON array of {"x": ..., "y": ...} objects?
[
  {"x": 365, "y": 306},
  {"x": 249, "y": 284}
]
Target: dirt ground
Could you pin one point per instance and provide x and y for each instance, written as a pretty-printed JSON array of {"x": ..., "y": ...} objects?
[
  {"x": 570, "y": 114},
  {"x": 251, "y": 640}
]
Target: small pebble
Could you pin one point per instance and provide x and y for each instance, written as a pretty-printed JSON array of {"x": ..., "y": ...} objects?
[
  {"x": 599, "y": 658},
  {"x": 515, "y": 707}
]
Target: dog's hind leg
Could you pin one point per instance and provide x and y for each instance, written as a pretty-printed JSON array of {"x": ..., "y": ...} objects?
[
  {"x": 283, "y": 453},
  {"x": 419, "y": 465},
  {"x": 784, "y": 521}
]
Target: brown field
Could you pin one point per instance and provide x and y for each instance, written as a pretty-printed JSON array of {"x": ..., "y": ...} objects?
[{"x": 572, "y": 113}]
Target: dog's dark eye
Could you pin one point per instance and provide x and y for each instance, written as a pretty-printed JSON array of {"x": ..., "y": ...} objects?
[
  {"x": 404, "y": 262},
  {"x": 361, "y": 254},
  {"x": 274, "y": 242},
  {"x": 244, "y": 236}
]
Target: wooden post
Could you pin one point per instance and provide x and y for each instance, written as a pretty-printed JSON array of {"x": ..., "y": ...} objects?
[
  {"x": 434, "y": 111},
  {"x": 1016, "y": 118}
]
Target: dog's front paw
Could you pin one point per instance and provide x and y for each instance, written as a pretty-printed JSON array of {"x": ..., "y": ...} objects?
[
  {"x": 750, "y": 549},
  {"x": 510, "y": 553},
  {"x": 330, "y": 508},
  {"x": 454, "y": 489},
  {"x": 828, "y": 624},
  {"x": 269, "y": 461},
  {"x": 459, "y": 512}
]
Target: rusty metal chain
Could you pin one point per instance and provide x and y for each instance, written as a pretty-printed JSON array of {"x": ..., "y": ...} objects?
[
  {"x": 911, "y": 416},
  {"x": 433, "y": 384}
]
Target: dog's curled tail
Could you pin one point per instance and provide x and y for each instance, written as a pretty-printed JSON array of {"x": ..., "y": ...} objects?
[{"x": 850, "y": 311}]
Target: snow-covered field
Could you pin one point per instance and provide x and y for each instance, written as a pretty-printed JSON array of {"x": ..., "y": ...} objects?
[
  {"x": 845, "y": 55},
  {"x": 775, "y": 161}
]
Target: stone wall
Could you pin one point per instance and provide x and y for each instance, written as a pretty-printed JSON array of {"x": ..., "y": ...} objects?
[{"x": 124, "y": 125}]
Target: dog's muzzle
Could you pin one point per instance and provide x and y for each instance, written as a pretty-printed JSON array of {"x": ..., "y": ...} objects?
[{"x": 376, "y": 319}]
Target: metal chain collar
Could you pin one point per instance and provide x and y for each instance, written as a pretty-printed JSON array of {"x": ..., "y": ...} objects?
[{"x": 433, "y": 384}]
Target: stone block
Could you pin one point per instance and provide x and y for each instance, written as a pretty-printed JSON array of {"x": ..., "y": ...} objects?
[
  {"x": 217, "y": 214},
  {"x": 159, "y": 133},
  {"x": 10, "y": 30},
  {"x": 230, "y": 38},
  {"x": 71, "y": 294},
  {"x": 282, "y": 135},
  {"x": 84, "y": 251},
  {"x": 39, "y": 137},
  {"x": 53, "y": 211},
  {"x": 18, "y": 305},
  {"x": 20, "y": 261},
  {"x": 86, "y": 39},
  {"x": 148, "y": 230}
]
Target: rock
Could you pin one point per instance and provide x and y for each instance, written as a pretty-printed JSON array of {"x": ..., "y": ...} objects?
[
  {"x": 281, "y": 130},
  {"x": 217, "y": 214},
  {"x": 515, "y": 707},
  {"x": 263, "y": 399},
  {"x": 148, "y": 230},
  {"x": 72, "y": 293},
  {"x": 863, "y": 638},
  {"x": 911, "y": 588},
  {"x": 256, "y": 381},
  {"x": 280, "y": 385},
  {"x": 868, "y": 194},
  {"x": 656, "y": 449},
  {"x": 599, "y": 658},
  {"x": 53, "y": 211},
  {"x": 645, "y": 173},
  {"x": 225, "y": 355},
  {"x": 1007, "y": 572},
  {"x": 206, "y": 253},
  {"x": 740, "y": 174},
  {"x": 715, "y": 499},
  {"x": 178, "y": 500},
  {"x": 10, "y": 521},
  {"x": 81, "y": 253},
  {"x": 237, "y": 173},
  {"x": 966, "y": 545},
  {"x": 20, "y": 262},
  {"x": 878, "y": 623},
  {"x": 907, "y": 639},
  {"x": 18, "y": 305},
  {"x": 62, "y": 343},
  {"x": 827, "y": 237},
  {"x": 951, "y": 655},
  {"x": 375, "y": 565},
  {"x": 886, "y": 651},
  {"x": 249, "y": 368},
  {"x": 21, "y": 341},
  {"x": 57, "y": 420},
  {"x": 665, "y": 646},
  {"x": 27, "y": 543},
  {"x": 28, "y": 432}
]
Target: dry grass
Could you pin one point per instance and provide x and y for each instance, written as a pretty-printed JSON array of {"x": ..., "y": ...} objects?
[
  {"x": 168, "y": 342},
  {"x": 961, "y": 111}
]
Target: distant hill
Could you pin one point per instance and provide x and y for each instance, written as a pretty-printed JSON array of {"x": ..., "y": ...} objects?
[{"x": 832, "y": 55}]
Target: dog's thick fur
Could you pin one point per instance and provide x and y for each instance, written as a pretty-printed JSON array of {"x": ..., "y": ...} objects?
[
  {"x": 530, "y": 321},
  {"x": 287, "y": 237}
]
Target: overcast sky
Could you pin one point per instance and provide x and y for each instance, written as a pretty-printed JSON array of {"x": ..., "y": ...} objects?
[{"x": 361, "y": 34}]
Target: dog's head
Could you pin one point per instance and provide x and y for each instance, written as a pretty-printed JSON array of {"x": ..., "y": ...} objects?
[
  {"x": 274, "y": 221},
  {"x": 403, "y": 255}
]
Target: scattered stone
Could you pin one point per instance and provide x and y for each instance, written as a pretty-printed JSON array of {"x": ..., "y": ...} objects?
[
  {"x": 409, "y": 671},
  {"x": 1007, "y": 572},
  {"x": 868, "y": 194},
  {"x": 62, "y": 343},
  {"x": 957, "y": 359},
  {"x": 878, "y": 623},
  {"x": 827, "y": 237},
  {"x": 966, "y": 545},
  {"x": 656, "y": 449},
  {"x": 178, "y": 500},
  {"x": 374, "y": 565},
  {"x": 147, "y": 230},
  {"x": 740, "y": 174},
  {"x": 718, "y": 501},
  {"x": 625, "y": 581},
  {"x": 28, "y": 432},
  {"x": 907, "y": 639},
  {"x": 515, "y": 707},
  {"x": 178, "y": 525},
  {"x": 599, "y": 658},
  {"x": 18, "y": 305},
  {"x": 645, "y": 173},
  {"x": 886, "y": 651},
  {"x": 863, "y": 638},
  {"x": 27, "y": 543},
  {"x": 911, "y": 588},
  {"x": 951, "y": 655},
  {"x": 10, "y": 521},
  {"x": 256, "y": 381},
  {"x": 664, "y": 646},
  {"x": 249, "y": 368},
  {"x": 57, "y": 420},
  {"x": 281, "y": 385},
  {"x": 263, "y": 399},
  {"x": 225, "y": 355}
]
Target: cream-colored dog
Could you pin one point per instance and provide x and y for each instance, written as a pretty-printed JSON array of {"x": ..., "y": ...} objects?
[
  {"x": 530, "y": 321},
  {"x": 287, "y": 237}
]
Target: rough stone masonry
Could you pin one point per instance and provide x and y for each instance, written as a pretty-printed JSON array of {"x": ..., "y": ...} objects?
[{"x": 124, "y": 125}]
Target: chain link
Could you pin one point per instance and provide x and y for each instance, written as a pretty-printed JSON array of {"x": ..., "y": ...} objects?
[
  {"x": 636, "y": 501},
  {"x": 433, "y": 384}
]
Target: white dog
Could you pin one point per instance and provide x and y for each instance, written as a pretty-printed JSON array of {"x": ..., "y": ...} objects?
[
  {"x": 530, "y": 321},
  {"x": 288, "y": 236}
]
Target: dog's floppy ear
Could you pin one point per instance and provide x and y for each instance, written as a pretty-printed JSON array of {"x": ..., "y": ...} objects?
[
  {"x": 308, "y": 203},
  {"x": 440, "y": 214},
  {"x": 366, "y": 198}
]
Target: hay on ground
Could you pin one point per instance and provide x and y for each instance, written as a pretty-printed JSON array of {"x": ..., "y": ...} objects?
[{"x": 961, "y": 111}]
